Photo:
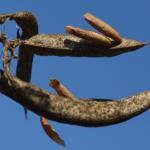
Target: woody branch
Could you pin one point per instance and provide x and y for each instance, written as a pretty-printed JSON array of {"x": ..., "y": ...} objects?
[{"x": 79, "y": 112}]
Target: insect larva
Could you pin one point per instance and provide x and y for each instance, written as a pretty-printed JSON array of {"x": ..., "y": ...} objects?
[
  {"x": 103, "y": 27},
  {"x": 89, "y": 35},
  {"x": 61, "y": 89}
]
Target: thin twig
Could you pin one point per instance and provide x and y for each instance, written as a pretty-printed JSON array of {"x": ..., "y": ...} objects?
[{"x": 61, "y": 89}]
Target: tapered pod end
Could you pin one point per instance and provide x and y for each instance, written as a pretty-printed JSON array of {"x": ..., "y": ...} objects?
[
  {"x": 137, "y": 44},
  {"x": 129, "y": 45},
  {"x": 145, "y": 44}
]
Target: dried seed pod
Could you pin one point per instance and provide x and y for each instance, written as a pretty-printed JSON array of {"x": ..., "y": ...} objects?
[
  {"x": 50, "y": 131},
  {"x": 61, "y": 89},
  {"x": 89, "y": 35},
  {"x": 103, "y": 27}
]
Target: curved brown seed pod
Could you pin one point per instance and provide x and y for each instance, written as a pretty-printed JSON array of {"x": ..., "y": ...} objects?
[
  {"x": 50, "y": 131},
  {"x": 103, "y": 27},
  {"x": 61, "y": 89},
  {"x": 89, "y": 35}
]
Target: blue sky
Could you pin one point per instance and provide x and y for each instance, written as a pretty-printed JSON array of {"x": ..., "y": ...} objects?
[{"x": 116, "y": 77}]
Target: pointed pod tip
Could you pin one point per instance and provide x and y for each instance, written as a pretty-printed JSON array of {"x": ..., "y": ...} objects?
[
  {"x": 62, "y": 143},
  {"x": 146, "y": 43},
  {"x": 70, "y": 29},
  {"x": 87, "y": 14},
  {"x": 133, "y": 43}
]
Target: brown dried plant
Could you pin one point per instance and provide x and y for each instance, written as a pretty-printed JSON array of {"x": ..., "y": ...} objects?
[{"x": 65, "y": 107}]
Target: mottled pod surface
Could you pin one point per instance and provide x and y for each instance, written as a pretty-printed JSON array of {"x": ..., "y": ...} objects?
[
  {"x": 68, "y": 45},
  {"x": 81, "y": 112}
]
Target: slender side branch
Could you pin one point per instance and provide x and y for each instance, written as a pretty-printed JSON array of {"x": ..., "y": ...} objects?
[
  {"x": 29, "y": 27},
  {"x": 61, "y": 89},
  {"x": 90, "y": 113}
]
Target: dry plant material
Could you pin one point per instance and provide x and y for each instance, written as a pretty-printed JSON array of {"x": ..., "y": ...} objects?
[
  {"x": 51, "y": 132},
  {"x": 61, "y": 89},
  {"x": 67, "y": 45},
  {"x": 29, "y": 26},
  {"x": 9, "y": 45},
  {"x": 87, "y": 112},
  {"x": 103, "y": 27},
  {"x": 89, "y": 35}
]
